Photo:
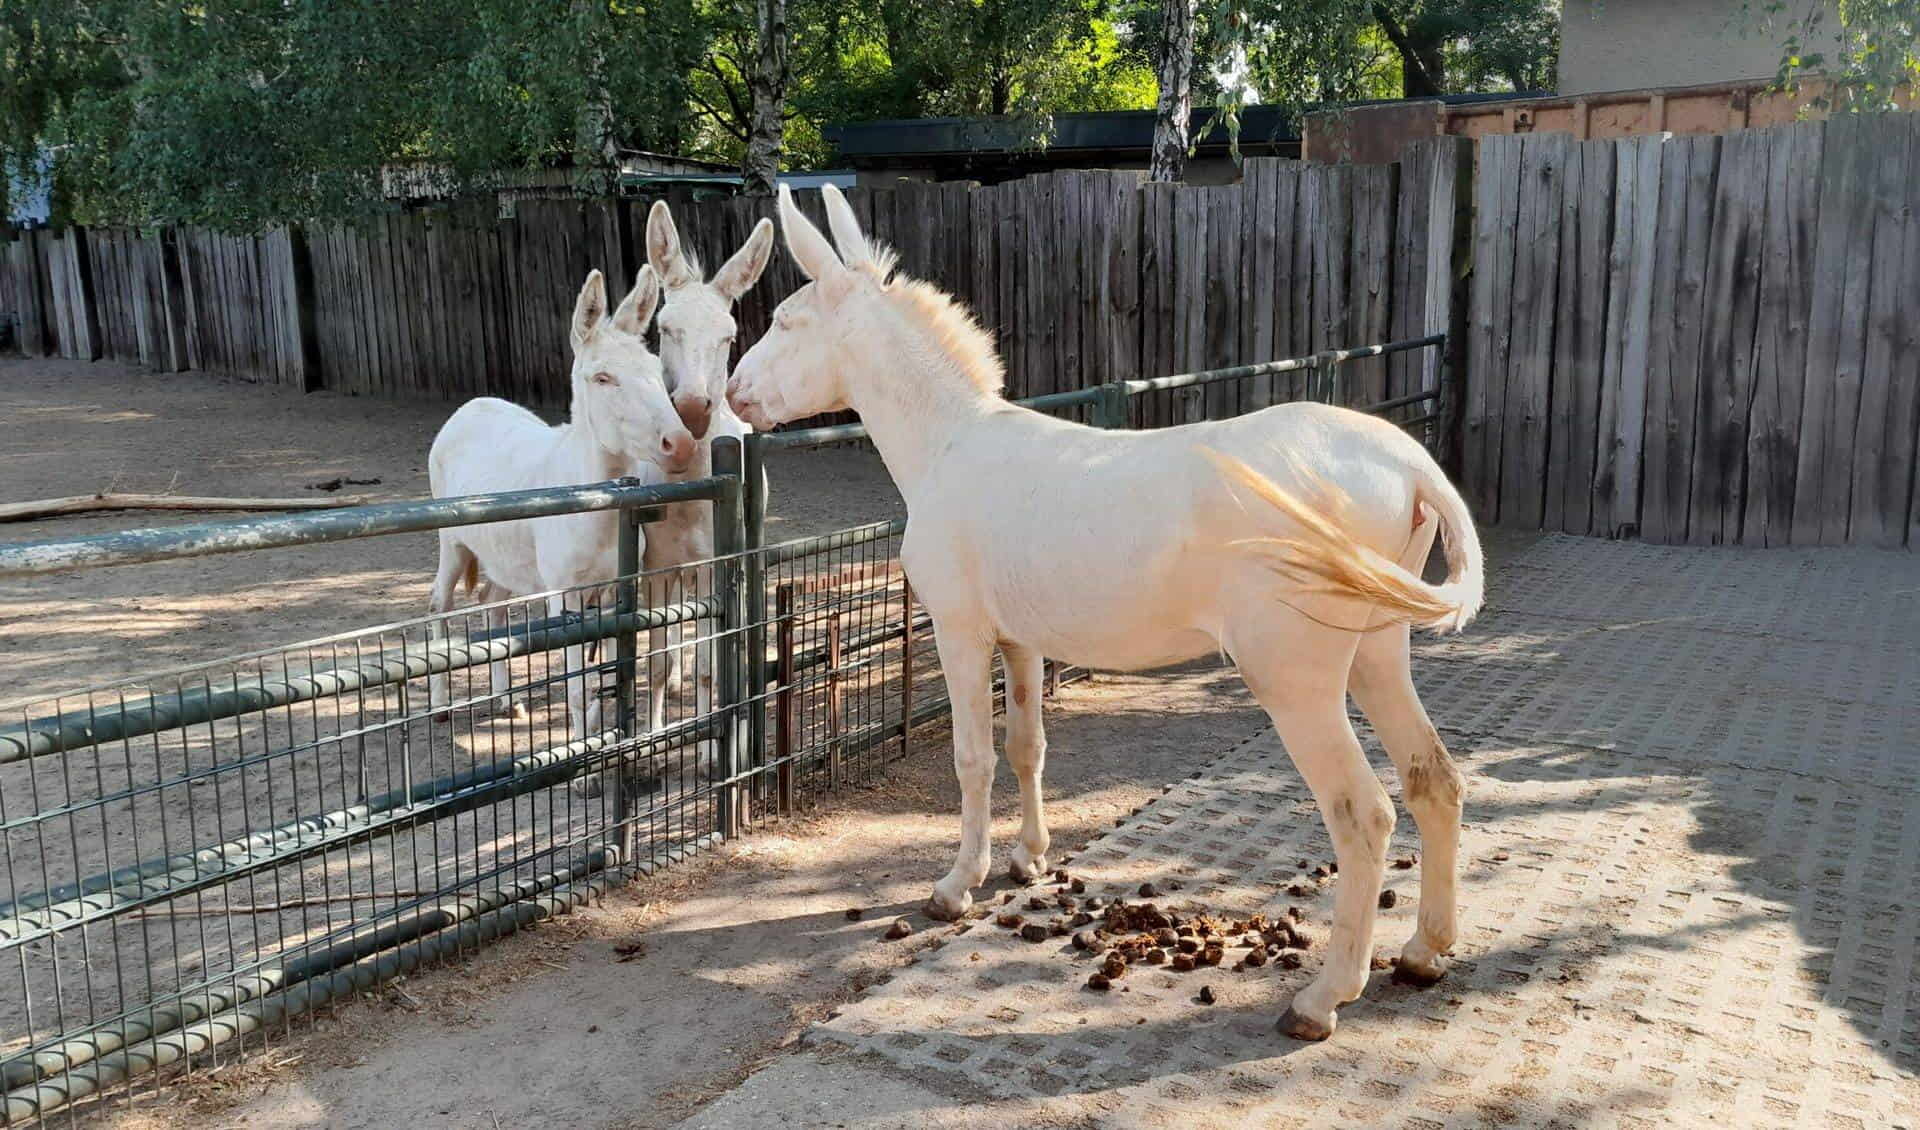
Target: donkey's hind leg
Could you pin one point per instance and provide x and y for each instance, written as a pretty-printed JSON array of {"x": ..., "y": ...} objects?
[
  {"x": 500, "y": 672},
  {"x": 1382, "y": 684},
  {"x": 455, "y": 561},
  {"x": 1298, "y": 669},
  {"x": 1027, "y": 753}
]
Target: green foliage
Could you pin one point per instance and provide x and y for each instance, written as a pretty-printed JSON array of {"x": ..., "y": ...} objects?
[
  {"x": 240, "y": 113},
  {"x": 1869, "y": 49},
  {"x": 918, "y": 58}
]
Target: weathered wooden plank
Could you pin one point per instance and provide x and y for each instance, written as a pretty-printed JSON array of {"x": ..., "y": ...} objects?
[
  {"x": 1222, "y": 204},
  {"x": 1256, "y": 237},
  {"x": 1190, "y": 297},
  {"x": 1588, "y": 332},
  {"x": 1726, "y": 352},
  {"x": 1157, "y": 263},
  {"x": 1288, "y": 287},
  {"x": 1370, "y": 288},
  {"x": 1836, "y": 330},
  {"x": 1529, "y": 387},
  {"x": 1449, "y": 258},
  {"x": 1565, "y": 392},
  {"x": 1041, "y": 289},
  {"x": 1661, "y": 432},
  {"x": 26, "y": 295},
  {"x": 1497, "y": 188},
  {"x": 1408, "y": 268},
  {"x": 1010, "y": 259},
  {"x": 984, "y": 294},
  {"x": 1123, "y": 267},
  {"x": 1623, "y": 376},
  {"x": 1075, "y": 285},
  {"x": 1883, "y": 451},
  {"x": 1794, "y": 174}
]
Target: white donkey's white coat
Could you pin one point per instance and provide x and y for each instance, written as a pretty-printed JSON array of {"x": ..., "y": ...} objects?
[
  {"x": 697, "y": 329},
  {"x": 620, "y": 417},
  {"x": 1126, "y": 550}
]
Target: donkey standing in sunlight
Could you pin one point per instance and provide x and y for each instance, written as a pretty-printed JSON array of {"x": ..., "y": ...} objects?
[
  {"x": 621, "y": 417},
  {"x": 696, "y": 342},
  {"x": 1132, "y": 550}
]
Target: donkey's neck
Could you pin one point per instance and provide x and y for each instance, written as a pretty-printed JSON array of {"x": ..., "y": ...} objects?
[
  {"x": 914, "y": 398},
  {"x": 576, "y": 443}
]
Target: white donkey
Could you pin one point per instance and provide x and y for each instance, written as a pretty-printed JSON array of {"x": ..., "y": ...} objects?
[
  {"x": 696, "y": 341},
  {"x": 621, "y": 417},
  {"x": 1130, "y": 550}
]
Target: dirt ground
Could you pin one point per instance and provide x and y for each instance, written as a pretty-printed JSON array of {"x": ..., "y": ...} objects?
[
  {"x": 77, "y": 427},
  {"x": 634, "y": 1013}
]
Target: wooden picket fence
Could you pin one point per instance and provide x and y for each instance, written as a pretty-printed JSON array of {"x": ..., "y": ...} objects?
[
  {"x": 1702, "y": 340},
  {"x": 1084, "y": 277}
]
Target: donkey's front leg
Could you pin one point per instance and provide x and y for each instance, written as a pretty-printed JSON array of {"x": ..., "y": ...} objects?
[
  {"x": 1027, "y": 752},
  {"x": 966, "y": 659},
  {"x": 573, "y": 665}
]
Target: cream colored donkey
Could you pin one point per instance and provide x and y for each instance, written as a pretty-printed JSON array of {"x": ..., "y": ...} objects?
[{"x": 1279, "y": 537}]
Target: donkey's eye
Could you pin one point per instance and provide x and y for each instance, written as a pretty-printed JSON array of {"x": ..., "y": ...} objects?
[{"x": 605, "y": 379}]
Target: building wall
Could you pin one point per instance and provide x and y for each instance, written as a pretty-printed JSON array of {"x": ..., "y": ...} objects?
[{"x": 1634, "y": 44}]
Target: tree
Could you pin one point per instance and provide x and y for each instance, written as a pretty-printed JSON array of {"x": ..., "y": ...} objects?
[
  {"x": 1867, "y": 49},
  {"x": 768, "y": 85},
  {"x": 1175, "y": 105},
  {"x": 243, "y": 113}
]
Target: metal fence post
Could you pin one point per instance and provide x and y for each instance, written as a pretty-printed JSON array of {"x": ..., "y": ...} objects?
[
  {"x": 784, "y": 723},
  {"x": 1110, "y": 411},
  {"x": 626, "y": 678},
  {"x": 753, "y": 486},
  {"x": 729, "y": 540}
]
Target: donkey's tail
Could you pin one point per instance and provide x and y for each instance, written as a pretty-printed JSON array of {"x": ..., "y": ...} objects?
[{"x": 1325, "y": 552}]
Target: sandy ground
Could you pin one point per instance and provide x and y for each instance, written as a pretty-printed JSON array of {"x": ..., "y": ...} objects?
[
  {"x": 76, "y": 428},
  {"x": 635, "y": 1013}
]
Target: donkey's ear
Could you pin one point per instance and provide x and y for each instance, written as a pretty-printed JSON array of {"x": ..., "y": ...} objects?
[
  {"x": 743, "y": 270},
  {"x": 589, "y": 309},
  {"x": 847, "y": 236},
  {"x": 663, "y": 248},
  {"x": 810, "y": 249},
  {"x": 636, "y": 310}
]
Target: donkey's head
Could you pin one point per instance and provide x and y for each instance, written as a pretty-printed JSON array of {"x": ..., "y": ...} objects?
[
  {"x": 696, "y": 326},
  {"x": 618, "y": 392},
  {"x": 796, "y": 368}
]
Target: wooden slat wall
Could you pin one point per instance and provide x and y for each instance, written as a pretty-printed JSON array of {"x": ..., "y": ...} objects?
[
  {"x": 1703, "y": 340},
  {"x": 1083, "y": 276}
]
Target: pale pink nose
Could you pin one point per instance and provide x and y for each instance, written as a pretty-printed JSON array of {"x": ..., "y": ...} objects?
[
  {"x": 696, "y": 412},
  {"x": 677, "y": 447}
]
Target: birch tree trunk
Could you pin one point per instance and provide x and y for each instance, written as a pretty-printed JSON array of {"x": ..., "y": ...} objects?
[
  {"x": 1175, "y": 72},
  {"x": 596, "y": 151},
  {"x": 768, "y": 85}
]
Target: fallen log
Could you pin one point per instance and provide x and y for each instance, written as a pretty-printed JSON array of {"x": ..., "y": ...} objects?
[{"x": 85, "y": 503}]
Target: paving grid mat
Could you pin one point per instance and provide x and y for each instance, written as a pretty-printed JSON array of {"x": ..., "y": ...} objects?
[{"x": 1724, "y": 934}]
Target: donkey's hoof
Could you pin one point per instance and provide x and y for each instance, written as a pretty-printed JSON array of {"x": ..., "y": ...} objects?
[
  {"x": 1302, "y": 1027},
  {"x": 590, "y": 786},
  {"x": 1419, "y": 974},
  {"x": 946, "y": 911},
  {"x": 512, "y": 711},
  {"x": 1030, "y": 871}
]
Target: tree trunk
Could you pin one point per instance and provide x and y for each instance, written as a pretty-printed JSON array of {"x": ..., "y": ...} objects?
[
  {"x": 1423, "y": 62},
  {"x": 1175, "y": 73},
  {"x": 768, "y": 83},
  {"x": 596, "y": 151}
]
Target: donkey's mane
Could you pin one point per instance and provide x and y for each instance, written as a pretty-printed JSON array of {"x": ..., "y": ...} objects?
[{"x": 950, "y": 326}]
